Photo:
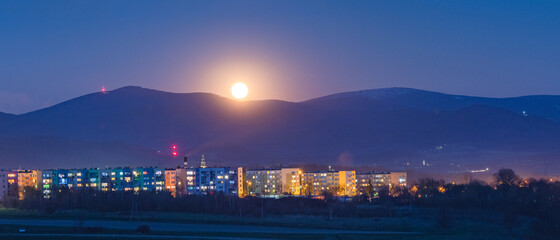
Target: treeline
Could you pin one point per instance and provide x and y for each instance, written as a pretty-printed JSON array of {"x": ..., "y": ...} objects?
[
  {"x": 144, "y": 201},
  {"x": 508, "y": 195}
]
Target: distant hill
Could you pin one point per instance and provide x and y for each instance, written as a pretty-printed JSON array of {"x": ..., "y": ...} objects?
[
  {"x": 544, "y": 106},
  {"x": 5, "y": 115},
  {"x": 396, "y": 128}
]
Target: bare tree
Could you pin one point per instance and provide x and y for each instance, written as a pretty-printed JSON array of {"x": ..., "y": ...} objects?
[{"x": 506, "y": 179}]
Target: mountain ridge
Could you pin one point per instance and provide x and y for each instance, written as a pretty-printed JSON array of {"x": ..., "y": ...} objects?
[
  {"x": 398, "y": 127},
  {"x": 547, "y": 106}
]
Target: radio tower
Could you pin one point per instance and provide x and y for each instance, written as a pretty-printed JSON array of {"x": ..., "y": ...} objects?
[{"x": 202, "y": 162}]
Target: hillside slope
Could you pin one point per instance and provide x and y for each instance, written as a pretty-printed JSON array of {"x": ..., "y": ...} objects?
[{"x": 392, "y": 128}]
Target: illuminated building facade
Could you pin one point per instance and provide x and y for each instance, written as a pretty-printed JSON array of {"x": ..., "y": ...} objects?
[
  {"x": 241, "y": 182},
  {"x": 8, "y": 184},
  {"x": 148, "y": 179},
  {"x": 27, "y": 179},
  {"x": 181, "y": 179},
  {"x": 47, "y": 183},
  {"x": 119, "y": 179},
  {"x": 171, "y": 181},
  {"x": 398, "y": 179},
  {"x": 105, "y": 183},
  {"x": 188, "y": 181},
  {"x": 91, "y": 179},
  {"x": 13, "y": 189},
  {"x": 122, "y": 179},
  {"x": 348, "y": 183},
  {"x": 369, "y": 183},
  {"x": 210, "y": 180},
  {"x": 337, "y": 183},
  {"x": 273, "y": 182}
]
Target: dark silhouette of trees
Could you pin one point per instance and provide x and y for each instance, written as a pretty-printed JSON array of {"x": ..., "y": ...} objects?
[
  {"x": 429, "y": 187},
  {"x": 506, "y": 179}
]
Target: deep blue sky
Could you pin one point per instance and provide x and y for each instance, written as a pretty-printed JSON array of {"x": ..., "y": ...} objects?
[{"x": 52, "y": 51}]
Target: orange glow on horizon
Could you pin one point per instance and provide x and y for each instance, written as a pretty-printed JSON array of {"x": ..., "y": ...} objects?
[{"x": 260, "y": 74}]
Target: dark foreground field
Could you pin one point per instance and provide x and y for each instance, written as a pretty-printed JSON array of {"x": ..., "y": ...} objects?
[{"x": 427, "y": 224}]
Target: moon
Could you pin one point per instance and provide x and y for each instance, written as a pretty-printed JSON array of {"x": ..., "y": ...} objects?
[{"x": 239, "y": 90}]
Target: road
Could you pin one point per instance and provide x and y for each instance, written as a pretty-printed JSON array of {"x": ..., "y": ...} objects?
[{"x": 187, "y": 227}]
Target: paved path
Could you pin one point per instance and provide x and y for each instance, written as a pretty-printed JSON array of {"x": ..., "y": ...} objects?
[{"x": 187, "y": 227}]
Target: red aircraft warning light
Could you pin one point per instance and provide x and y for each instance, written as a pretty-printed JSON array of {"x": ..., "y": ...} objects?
[{"x": 174, "y": 150}]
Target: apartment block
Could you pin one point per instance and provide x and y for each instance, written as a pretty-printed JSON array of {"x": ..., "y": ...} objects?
[
  {"x": 369, "y": 183},
  {"x": 398, "y": 179},
  {"x": 28, "y": 179},
  {"x": 273, "y": 182},
  {"x": 8, "y": 184},
  {"x": 47, "y": 183},
  {"x": 209, "y": 180},
  {"x": 200, "y": 181},
  {"x": 241, "y": 182},
  {"x": 171, "y": 181},
  {"x": 337, "y": 183}
]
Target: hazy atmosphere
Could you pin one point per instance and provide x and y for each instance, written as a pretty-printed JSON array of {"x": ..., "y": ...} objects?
[
  {"x": 296, "y": 50},
  {"x": 275, "y": 120}
]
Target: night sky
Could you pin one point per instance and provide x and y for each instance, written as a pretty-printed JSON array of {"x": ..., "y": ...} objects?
[{"x": 51, "y": 51}]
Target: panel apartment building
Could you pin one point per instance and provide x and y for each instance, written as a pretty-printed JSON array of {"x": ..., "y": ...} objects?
[
  {"x": 337, "y": 183},
  {"x": 369, "y": 183},
  {"x": 269, "y": 182},
  {"x": 8, "y": 184}
]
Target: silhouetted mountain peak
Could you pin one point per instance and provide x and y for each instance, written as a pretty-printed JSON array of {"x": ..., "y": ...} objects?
[
  {"x": 376, "y": 126},
  {"x": 380, "y": 93},
  {"x": 5, "y": 114}
]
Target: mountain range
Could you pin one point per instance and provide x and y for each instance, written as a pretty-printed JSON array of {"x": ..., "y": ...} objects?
[{"x": 392, "y": 128}]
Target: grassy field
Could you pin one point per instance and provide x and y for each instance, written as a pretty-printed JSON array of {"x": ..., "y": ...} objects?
[
  {"x": 32, "y": 231},
  {"x": 374, "y": 224},
  {"x": 462, "y": 225}
]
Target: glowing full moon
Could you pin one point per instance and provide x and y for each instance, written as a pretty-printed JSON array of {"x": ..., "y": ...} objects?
[{"x": 239, "y": 90}]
